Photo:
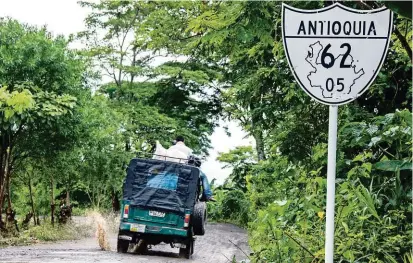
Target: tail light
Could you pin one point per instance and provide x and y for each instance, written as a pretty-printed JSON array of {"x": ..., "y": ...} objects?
[
  {"x": 186, "y": 221},
  {"x": 126, "y": 211}
]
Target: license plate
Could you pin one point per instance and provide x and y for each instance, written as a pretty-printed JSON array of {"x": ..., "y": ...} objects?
[
  {"x": 137, "y": 228},
  {"x": 157, "y": 213}
]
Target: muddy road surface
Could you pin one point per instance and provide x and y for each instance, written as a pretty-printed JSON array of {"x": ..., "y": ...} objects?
[{"x": 220, "y": 244}]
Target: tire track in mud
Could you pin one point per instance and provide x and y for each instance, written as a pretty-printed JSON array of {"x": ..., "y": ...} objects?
[{"x": 216, "y": 246}]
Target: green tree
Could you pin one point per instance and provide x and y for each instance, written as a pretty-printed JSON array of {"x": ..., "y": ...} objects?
[
  {"x": 39, "y": 77},
  {"x": 124, "y": 38},
  {"x": 100, "y": 153},
  {"x": 240, "y": 160}
]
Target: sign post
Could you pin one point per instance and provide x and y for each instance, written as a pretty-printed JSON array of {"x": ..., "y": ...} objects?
[
  {"x": 331, "y": 182},
  {"x": 335, "y": 53}
]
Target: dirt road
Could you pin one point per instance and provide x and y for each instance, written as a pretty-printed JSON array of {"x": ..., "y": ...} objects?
[{"x": 215, "y": 247}]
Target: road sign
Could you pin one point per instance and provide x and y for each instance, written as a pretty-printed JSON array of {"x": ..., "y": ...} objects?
[{"x": 335, "y": 53}]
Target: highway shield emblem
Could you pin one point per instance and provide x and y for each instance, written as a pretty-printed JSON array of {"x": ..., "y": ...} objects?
[{"x": 335, "y": 53}]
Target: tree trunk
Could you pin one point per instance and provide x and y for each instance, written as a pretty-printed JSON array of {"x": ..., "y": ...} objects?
[
  {"x": 4, "y": 158},
  {"x": 10, "y": 213},
  {"x": 115, "y": 202},
  {"x": 256, "y": 128},
  {"x": 259, "y": 144},
  {"x": 2, "y": 225},
  {"x": 2, "y": 178},
  {"x": 26, "y": 220},
  {"x": 9, "y": 204},
  {"x": 31, "y": 201},
  {"x": 127, "y": 147},
  {"x": 133, "y": 64},
  {"x": 52, "y": 209},
  {"x": 11, "y": 222},
  {"x": 404, "y": 42},
  {"x": 52, "y": 203},
  {"x": 67, "y": 197},
  {"x": 1, "y": 205},
  {"x": 259, "y": 139}
]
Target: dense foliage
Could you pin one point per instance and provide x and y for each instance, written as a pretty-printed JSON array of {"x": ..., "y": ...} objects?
[
  {"x": 71, "y": 120},
  {"x": 286, "y": 183}
]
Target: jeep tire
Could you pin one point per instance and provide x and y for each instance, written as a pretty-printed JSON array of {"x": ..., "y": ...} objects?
[
  {"x": 123, "y": 246},
  {"x": 199, "y": 218},
  {"x": 188, "y": 250}
]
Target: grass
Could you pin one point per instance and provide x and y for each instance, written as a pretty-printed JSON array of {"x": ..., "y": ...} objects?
[
  {"x": 92, "y": 223},
  {"x": 70, "y": 231},
  {"x": 48, "y": 233},
  {"x": 79, "y": 211}
]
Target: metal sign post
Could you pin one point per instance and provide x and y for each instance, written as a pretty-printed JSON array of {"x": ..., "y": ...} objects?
[
  {"x": 331, "y": 182},
  {"x": 335, "y": 53}
]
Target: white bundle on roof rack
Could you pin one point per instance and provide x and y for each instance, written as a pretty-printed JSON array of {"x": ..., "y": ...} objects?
[{"x": 170, "y": 155}]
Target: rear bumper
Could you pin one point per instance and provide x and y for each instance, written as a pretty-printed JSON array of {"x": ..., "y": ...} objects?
[{"x": 152, "y": 229}]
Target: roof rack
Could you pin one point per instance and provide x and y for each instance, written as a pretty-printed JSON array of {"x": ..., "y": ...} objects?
[{"x": 145, "y": 154}]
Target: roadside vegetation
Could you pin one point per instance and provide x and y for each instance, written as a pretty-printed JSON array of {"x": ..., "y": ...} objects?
[
  {"x": 48, "y": 233},
  {"x": 70, "y": 120},
  {"x": 277, "y": 189}
]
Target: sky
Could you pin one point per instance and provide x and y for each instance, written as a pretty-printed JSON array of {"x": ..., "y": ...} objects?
[{"x": 65, "y": 17}]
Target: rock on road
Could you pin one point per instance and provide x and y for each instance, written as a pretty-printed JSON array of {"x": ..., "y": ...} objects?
[{"x": 216, "y": 246}]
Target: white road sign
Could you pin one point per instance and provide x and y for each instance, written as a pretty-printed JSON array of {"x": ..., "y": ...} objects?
[{"x": 335, "y": 53}]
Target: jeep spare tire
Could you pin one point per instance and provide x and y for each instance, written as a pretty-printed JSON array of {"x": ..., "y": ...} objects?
[{"x": 199, "y": 218}]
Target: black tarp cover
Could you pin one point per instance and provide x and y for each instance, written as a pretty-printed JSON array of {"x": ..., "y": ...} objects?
[{"x": 160, "y": 184}]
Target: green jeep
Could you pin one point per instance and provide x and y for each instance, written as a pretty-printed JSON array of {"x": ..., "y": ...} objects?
[{"x": 161, "y": 203}]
